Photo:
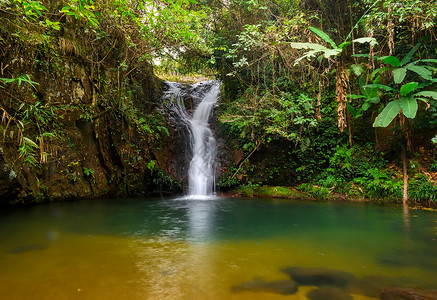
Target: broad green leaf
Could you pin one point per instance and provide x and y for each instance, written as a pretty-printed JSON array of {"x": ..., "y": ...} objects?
[
  {"x": 354, "y": 96},
  {"x": 422, "y": 99},
  {"x": 374, "y": 100},
  {"x": 408, "y": 88},
  {"x": 308, "y": 54},
  {"x": 430, "y": 94},
  {"x": 409, "y": 106},
  {"x": 421, "y": 71},
  {"x": 391, "y": 60},
  {"x": 363, "y": 40},
  {"x": 331, "y": 52},
  {"x": 324, "y": 36},
  {"x": 311, "y": 46},
  {"x": 399, "y": 75},
  {"x": 365, "y": 106},
  {"x": 407, "y": 58},
  {"x": 388, "y": 114},
  {"x": 382, "y": 87},
  {"x": 428, "y": 60}
]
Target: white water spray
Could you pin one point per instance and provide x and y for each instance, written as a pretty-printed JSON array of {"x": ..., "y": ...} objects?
[{"x": 201, "y": 174}]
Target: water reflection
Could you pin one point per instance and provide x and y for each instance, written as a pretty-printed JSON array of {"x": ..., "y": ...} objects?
[{"x": 201, "y": 216}]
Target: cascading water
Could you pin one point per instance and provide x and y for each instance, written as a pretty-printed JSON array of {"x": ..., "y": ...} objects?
[{"x": 201, "y": 173}]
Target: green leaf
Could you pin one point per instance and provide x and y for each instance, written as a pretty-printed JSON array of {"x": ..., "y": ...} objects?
[
  {"x": 363, "y": 40},
  {"x": 421, "y": 71},
  {"x": 324, "y": 36},
  {"x": 408, "y": 88},
  {"x": 374, "y": 100},
  {"x": 65, "y": 9},
  {"x": 311, "y": 46},
  {"x": 357, "y": 69},
  {"x": 399, "y": 75},
  {"x": 391, "y": 60},
  {"x": 30, "y": 142},
  {"x": 428, "y": 60},
  {"x": 382, "y": 87},
  {"x": 430, "y": 94},
  {"x": 331, "y": 52},
  {"x": 354, "y": 96},
  {"x": 388, "y": 114},
  {"x": 409, "y": 106},
  {"x": 365, "y": 106},
  {"x": 407, "y": 58}
]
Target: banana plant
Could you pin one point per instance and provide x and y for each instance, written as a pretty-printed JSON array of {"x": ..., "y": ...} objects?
[{"x": 407, "y": 94}]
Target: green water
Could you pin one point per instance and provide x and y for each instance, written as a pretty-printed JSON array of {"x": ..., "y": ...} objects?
[{"x": 200, "y": 249}]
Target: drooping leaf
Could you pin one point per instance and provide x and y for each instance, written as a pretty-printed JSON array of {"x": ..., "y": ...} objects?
[
  {"x": 324, "y": 36},
  {"x": 430, "y": 94},
  {"x": 409, "y": 106},
  {"x": 407, "y": 58},
  {"x": 391, "y": 60},
  {"x": 388, "y": 114},
  {"x": 408, "y": 88},
  {"x": 421, "y": 71},
  {"x": 399, "y": 75}
]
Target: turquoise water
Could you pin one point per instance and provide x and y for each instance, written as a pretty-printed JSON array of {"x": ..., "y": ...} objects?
[{"x": 201, "y": 249}]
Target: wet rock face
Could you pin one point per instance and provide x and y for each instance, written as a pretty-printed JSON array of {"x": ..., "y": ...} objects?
[{"x": 9, "y": 185}]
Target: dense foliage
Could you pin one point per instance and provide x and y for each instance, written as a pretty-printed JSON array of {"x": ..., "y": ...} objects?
[{"x": 336, "y": 95}]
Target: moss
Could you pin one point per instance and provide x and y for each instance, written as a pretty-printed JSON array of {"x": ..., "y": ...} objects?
[{"x": 271, "y": 192}]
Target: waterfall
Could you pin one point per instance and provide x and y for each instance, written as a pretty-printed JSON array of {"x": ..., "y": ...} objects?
[{"x": 202, "y": 144}]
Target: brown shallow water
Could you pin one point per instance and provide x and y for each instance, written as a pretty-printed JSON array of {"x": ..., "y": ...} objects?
[{"x": 177, "y": 249}]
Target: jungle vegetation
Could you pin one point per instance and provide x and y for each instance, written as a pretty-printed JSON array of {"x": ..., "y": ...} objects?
[{"x": 329, "y": 96}]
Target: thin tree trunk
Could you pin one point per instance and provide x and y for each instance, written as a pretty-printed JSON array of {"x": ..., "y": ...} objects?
[{"x": 404, "y": 165}]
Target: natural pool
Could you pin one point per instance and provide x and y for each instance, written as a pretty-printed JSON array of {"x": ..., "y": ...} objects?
[{"x": 219, "y": 248}]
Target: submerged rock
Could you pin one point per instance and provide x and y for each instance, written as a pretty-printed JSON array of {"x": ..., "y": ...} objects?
[
  {"x": 370, "y": 286},
  {"x": 397, "y": 293},
  {"x": 329, "y": 293},
  {"x": 282, "y": 287},
  {"x": 319, "y": 276},
  {"x": 27, "y": 248}
]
